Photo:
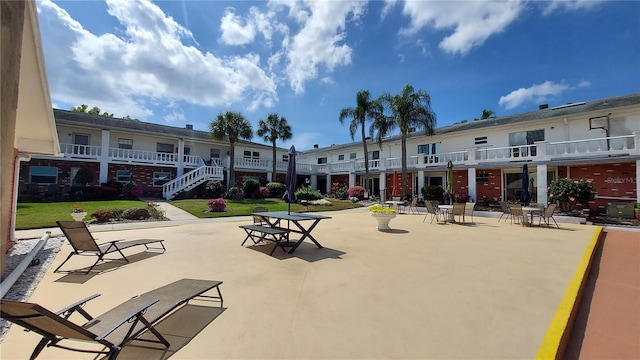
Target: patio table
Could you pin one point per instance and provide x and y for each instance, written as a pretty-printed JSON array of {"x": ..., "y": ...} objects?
[
  {"x": 273, "y": 218},
  {"x": 447, "y": 212},
  {"x": 531, "y": 211},
  {"x": 394, "y": 204}
]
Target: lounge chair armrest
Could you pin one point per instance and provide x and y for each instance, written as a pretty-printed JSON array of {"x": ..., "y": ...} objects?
[
  {"x": 133, "y": 314},
  {"x": 77, "y": 306}
]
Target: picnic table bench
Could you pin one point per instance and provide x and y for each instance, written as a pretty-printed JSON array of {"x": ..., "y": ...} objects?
[{"x": 258, "y": 233}]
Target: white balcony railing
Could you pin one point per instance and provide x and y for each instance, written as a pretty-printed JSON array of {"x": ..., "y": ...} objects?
[
  {"x": 611, "y": 145},
  {"x": 80, "y": 151}
]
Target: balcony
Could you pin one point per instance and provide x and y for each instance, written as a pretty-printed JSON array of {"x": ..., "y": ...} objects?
[{"x": 540, "y": 152}]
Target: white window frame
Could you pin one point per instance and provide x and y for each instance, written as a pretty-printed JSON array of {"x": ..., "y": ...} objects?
[
  {"x": 42, "y": 172},
  {"x": 121, "y": 175},
  {"x": 126, "y": 144},
  {"x": 160, "y": 176}
]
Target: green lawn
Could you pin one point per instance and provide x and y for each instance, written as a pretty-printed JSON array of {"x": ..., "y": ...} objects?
[
  {"x": 44, "y": 215},
  {"x": 199, "y": 207}
]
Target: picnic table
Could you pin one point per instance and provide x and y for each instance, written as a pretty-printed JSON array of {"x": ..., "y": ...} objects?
[{"x": 274, "y": 219}]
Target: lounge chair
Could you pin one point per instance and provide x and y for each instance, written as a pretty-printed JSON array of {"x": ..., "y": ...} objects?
[
  {"x": 83, "y": 243},
  {"x": 113, "y": 329}
]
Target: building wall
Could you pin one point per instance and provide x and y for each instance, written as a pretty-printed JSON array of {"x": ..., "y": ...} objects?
[
  {"x": 613, "y": 180},
  {"x": 489, "y": 191}
]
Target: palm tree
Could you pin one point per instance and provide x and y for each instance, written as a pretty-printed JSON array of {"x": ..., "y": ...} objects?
[
  {"x": 409, "y": 110},
  {"x": 274, "y": 128},
  {"x": 234, "y": 126},
  {"x": 366, "y": 108},
  {"x": 486, "y": 114}
]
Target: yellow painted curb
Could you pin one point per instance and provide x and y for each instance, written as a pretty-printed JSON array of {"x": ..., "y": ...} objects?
[{"x": 555, "y": 339}]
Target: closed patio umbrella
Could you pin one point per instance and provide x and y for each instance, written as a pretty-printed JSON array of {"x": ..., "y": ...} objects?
[
  {"x": 290, "y": 179},
  {"x": 450, "y": 188},
  {"x": 526, "y": 196}
]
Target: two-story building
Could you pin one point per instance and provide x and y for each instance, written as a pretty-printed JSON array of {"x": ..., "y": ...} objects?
[{"x": 598, "y": 140}]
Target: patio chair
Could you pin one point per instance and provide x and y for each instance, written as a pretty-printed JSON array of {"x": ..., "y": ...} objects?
[
  {"x": 504, "y": 206},
  {"x": 115, "y": 328},
  {"x": 459, "y": 209},
  {"x": 413, "y": 206},
  {"x": 83, "y": 243},
  {"x": 547, "y": 215},
  {"x": 435, "y": 213},
  {"x": 259, "y": 220},
  {"x": 468, "y": 209},
  {"x": 516, "y": 214}
]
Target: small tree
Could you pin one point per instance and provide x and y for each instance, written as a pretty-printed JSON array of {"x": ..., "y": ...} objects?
[
  {"x": 84, "y": 176},
  {"x": 567, "y": 192}
]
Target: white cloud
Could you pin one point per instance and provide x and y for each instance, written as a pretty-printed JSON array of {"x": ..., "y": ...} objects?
[
  {"x": 584, "y": 83},
  {"x": 233, "y": 30},
  {"x": 388, "y": 5},
  {"x": 147, "y": 62},
  {"x": 320, "y": 41},
  {"x": 536, "y": 94},
  {"x": 473, "y": 22},
  {"x": 174, "y": 116},
  {"x": 569, "y": 5}
]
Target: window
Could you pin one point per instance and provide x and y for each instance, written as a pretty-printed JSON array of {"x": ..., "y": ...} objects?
[
  {"x": 123, "y": 176},
  {"x": 125, "y": 144},
  {"x": 81, "y": 139},
  {"x": 214, "y": 153},
  {"x": 525, "y": 138},
  {"x": 352, "y": 156},
  {"x": 482, "y": 176},
  {"x": 322, "y": 160},
  {"x": 187, "y": 150},
  {"x": 43, "y": 174},
  {"x": 164, "y": 148},
  {"x": 481, "y": 140},
  {"x": 340, "y": 157},
  {"x": 374, "y": 155},
  {"x": 251, "y": 155},
  {"x": 429, "y": 151},
  {"x": 285, "y": 158},
  {"x": 160, "y": 178}
]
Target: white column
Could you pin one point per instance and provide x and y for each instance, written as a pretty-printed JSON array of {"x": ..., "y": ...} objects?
[
  {"x": 420, "y": 181},
  {"x": 328, "y": 187},
  {"x": 104, "y": 156},
  {"x": 638, "y": 180},
  {"x": 541, "y": 171},
  {"x": 471, "y": 184},
  {"x": 352, "y": 179},
  {"x": 383, "y": 185},
  {"x": 314, "y": 181},
  {"x": 269, "y": 176},
  {"x": 180, "y": 169}
]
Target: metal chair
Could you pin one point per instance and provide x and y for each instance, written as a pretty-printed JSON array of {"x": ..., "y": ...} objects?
[
  {"x": 468, "y": 209},
  {"x": 435, "y": 213},
  {"x": 547, "y": 215},
  {"x": 258, "y": 220},
  {"x": 459, "y": 209},
  {"x": 516, "y": 214},
  {"x": 504, "y": 206}
]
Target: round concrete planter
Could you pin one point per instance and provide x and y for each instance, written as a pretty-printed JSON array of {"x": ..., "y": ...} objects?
[
  {"x": 78, "y": 216},
  {"x": 383, "y": 219}
]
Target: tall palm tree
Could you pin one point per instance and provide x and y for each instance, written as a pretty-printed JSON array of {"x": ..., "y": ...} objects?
[
  {"x": 274, "y": 128},
  {"x": 366, "y": 109},
  {"x": 234, "y": 126},
  {"x": 409, "y": 110},
  {"x": 486, "y": 114}
]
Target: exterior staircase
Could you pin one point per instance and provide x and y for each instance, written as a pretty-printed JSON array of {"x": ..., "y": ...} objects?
[{"x": 192, "y": 179}]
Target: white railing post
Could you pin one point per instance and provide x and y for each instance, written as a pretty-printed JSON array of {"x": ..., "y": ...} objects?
[{"x": 541, "y": 150}]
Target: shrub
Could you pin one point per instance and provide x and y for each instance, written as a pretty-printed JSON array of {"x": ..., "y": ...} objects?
[
  {"x": 156, "y": 212},
  {"x": 235, "y": 193},
  {"x": 136, "y": 213},
  {"x": 567, "y": 192},
  {"x": 215, "y": 189},
  {"x": 306, "y": 193},
  {"x": 116, "y": 213},
  {"x": 342, "y": 193},
  {"x": 276, "y": 189},
  {"x": 102, "y": 215},
  {"x": 251, "y": 188},
  {"x": 263, "y": 192},
  {"x": 357, "y": 191},
  {"x": 433, "y": 192},
  {"x": 217, "y": 205}
]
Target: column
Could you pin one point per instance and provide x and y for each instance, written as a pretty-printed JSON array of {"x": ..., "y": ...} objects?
[
  {"x": 269, "y": 176},
  {"x": 314, "y": 181},
  {"x": 420, "y": 181},
  {"x": 104, "y": 156},
  {"x": 471, "y": 184},
  {"x": 383, "y": 186},
  {"x": 328, "y": 187},
  {"x": 180, "y": 169},
  {"x": 541, "y": 171},
  {"x": 352, "y": 179}
]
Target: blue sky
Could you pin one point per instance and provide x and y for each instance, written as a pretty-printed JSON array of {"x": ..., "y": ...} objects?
[{"x": 184, "y": 62}]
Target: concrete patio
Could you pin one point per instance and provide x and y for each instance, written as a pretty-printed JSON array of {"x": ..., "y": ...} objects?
[{"x": 482, "y": 290}]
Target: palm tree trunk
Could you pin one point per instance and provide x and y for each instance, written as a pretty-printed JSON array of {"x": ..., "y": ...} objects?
[
  {"x": 366, "y": 160},
  {"x": 273, "y": 174},
  {"x": 232, "y": 154}
]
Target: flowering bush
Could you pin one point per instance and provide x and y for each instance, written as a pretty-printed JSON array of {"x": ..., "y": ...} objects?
[
  {"x": 77, "y": 209},
  {"x": 342, "y": 193},
  {"x": 567, "y": 192},
  {"x": 217, "y": 205},
  {"x": 102, "y": 215},
  {"x": 357, "y": 191},
  {"x": 381, "y": 209},
  {"x": 235, "y": 193},
  {"x": 263, "y": 192}
]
